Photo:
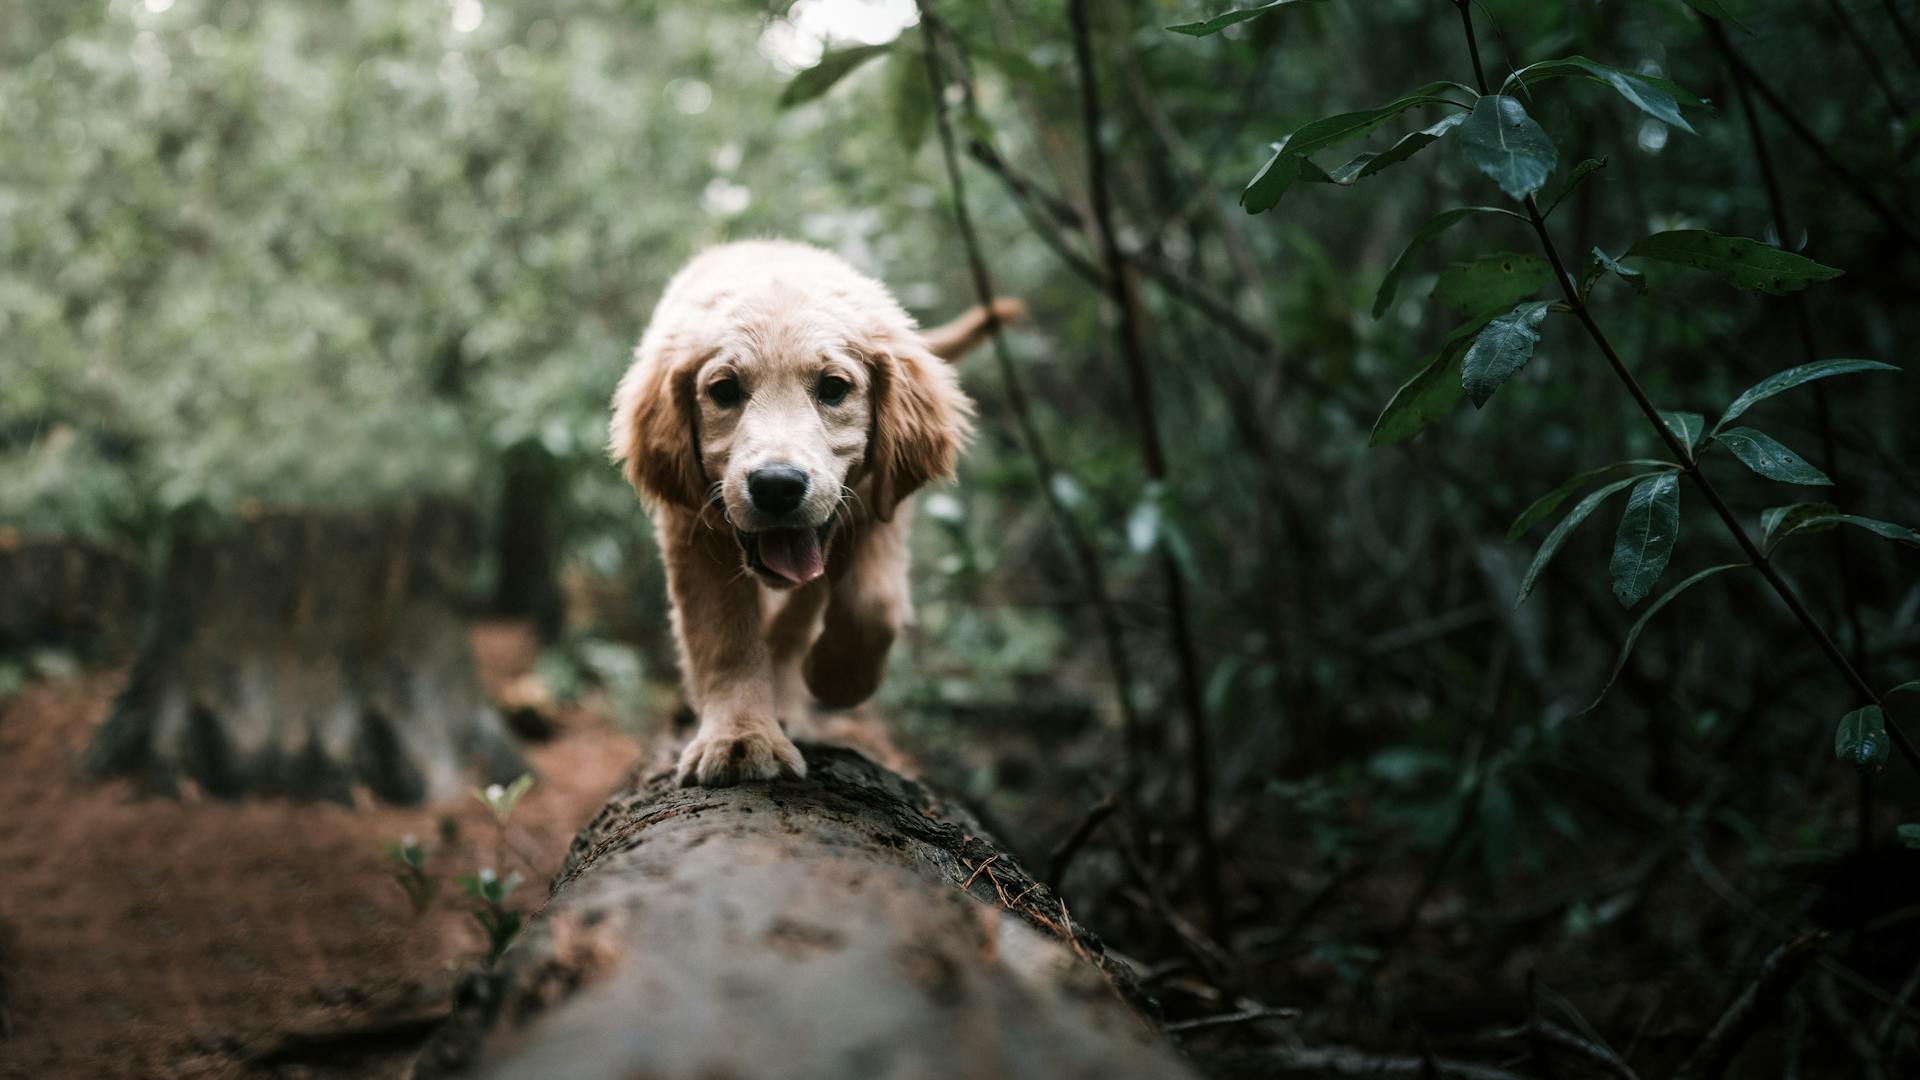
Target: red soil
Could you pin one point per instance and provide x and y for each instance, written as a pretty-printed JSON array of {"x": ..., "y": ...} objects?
[{"x": 147, "y": 937}]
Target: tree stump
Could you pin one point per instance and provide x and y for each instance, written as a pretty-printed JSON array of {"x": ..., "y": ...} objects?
[
  {"x": 304, "y": 653},
  {"x": 67, "y": 592},
  {"x": 849, "y": 925}
]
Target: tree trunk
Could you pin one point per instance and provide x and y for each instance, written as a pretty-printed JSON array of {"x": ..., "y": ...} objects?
[
  {"x": 67, "y": 593},
  {"x": 527, "y": 580},
  {"x": 302, "y": 653},
  {"x": 849, "y": 925}
]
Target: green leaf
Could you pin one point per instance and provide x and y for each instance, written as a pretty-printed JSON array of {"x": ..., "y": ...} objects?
[
  {"x": 822, "y": 76},
  {"x": 1433, "y": 392},
  {"x": 1367, "y": 164},
  {"x": 1686, "y": 425},
  {"x": 1599, "y": 263},
  {"x": 1861, "y": 739},
  {"x": 1792, "y": 377},
  {"x": 1765, "y": 455},
  {"x": 1907, "y": 688},
  {"x": 1714, "y": 9},
  {"x": 1423, "y": 236},
  {"x": 1655, "y": 97},
  {"x": 1736, "y": 260},
  {"x": 1235, "y": 17},
  {"x": 1777, "y": 521},
  {"x": 1504, "y": 142},
  {"x": 1640, "y": 624},
  {"x": 1548, "y": 503},
  {"x": 1501, "y": 350},
  {"x": 1909, "y": 835},
  {"x": 1644, "y": 544},
  {"x": 1555, "y": 539},
  {"x": 1491, "y": 282},
  {"x": 1887, "y": 529},
  {"x": 1289, "y": 158},
  {"x": 1566, "y": 187}
]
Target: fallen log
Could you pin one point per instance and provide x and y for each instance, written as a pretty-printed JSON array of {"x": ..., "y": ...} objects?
[{"x": 849, "y": 925}]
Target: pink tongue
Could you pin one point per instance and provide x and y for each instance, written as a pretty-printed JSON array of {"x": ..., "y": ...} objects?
[{"x": 794, "y": 554}]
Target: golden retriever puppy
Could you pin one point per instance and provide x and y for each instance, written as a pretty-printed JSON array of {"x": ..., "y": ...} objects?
[{"x": 778, "y": 412}]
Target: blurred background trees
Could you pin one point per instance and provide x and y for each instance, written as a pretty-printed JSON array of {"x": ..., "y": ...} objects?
[{"x": 342, "y": 255}]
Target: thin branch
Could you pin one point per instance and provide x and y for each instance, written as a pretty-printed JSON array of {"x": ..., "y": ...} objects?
[
  {"x": 1683, "y": 453},
  {"x": 1801, "y": 131},
  {"x": 1061, "y": 857},
  {"x": 1085, "y": 556},
  {"x": 1869, "y": 58},
  {"x": 1757, "y": 1005},
  {"x": 1904, "y": 28},
  {"x": 1140, "y": 385}
]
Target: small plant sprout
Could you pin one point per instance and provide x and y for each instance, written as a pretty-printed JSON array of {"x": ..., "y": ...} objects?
[
  {"x": 499, "y": 923},
  {"x": 410, "y": 872},
  {"x": 501, "y": 800}
]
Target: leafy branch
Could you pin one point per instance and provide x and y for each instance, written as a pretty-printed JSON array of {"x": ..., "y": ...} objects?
[{"x": 1502, "y": 141}]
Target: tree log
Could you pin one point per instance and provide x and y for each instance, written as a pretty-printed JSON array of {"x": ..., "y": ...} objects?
[
  {"x": 849, "y": 925},
  {"x": 306, "y": 653}
]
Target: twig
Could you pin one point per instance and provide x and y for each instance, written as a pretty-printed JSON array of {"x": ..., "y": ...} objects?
[
  {"x": 1756, "y": 1005},
  {"x": 1226, "y": 1019},
  {"x": 990, "y": 860},
  {"x": 1684, "y": 453},
  {"x": 1061, "y": 857},
  {"x": 1869, "y": 58},
  {"x": 1324, "y": 1062},
  {"x": 1905, "y": 29},
  {"x": 1140, "y": 386},
  {"x": 1086, "y": 558},
  {"x": 1785, "y": 111}
]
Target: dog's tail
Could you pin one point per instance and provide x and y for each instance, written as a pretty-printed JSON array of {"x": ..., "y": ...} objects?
[{"x": 951, "y": 341}]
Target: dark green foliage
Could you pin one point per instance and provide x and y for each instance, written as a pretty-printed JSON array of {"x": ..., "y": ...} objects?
[
  {"x": 1500, "y": 280},
  {"x": 1501, "y": 350},
  {"x": 1505, "y": 143},
  {"x": 1649, "y": 528},
  {"x": 1861, "y": 739},
  {"x": 1232, "y": 18},
  {"x": 1742, "y": 263},
  {"x": 1765, "y": 455}
]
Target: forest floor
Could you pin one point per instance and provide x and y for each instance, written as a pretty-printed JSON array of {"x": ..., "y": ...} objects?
[{"x": 150, "y": 937}]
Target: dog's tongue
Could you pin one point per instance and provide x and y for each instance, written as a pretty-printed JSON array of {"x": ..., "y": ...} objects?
[{"x": 794, "y": 554}]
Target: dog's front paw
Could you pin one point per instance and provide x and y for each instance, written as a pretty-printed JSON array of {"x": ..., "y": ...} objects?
[{"x": 736, "y": 755}]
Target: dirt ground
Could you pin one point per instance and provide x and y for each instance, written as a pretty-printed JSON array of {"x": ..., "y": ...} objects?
[{"x": 146, "y": 937}]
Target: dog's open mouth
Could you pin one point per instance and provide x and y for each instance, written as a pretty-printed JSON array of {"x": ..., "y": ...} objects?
[{"x": 793, "y": 556}]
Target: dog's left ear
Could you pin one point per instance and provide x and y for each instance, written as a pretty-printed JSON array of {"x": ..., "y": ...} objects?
[{"x": 921, "y": 419}]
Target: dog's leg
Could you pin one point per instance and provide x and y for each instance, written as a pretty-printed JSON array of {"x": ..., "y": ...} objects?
[
  {"x": 868, "y": 607},
  {"x": 793, "y": 622},
  {"x": 724, "y": 660}
]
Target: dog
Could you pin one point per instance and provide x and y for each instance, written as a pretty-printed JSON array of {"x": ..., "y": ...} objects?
[{"x": 779, "y": 410}]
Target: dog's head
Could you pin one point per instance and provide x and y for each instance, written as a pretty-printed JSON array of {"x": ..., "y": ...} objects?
[{"x": 785, "y": 416}]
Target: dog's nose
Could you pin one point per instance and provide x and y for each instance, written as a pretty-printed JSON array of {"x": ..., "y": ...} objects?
[{"x": 777, "y": 488}]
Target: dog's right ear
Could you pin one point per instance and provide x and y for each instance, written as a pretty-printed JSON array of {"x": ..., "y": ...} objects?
[{"x": 656, "y": 428}]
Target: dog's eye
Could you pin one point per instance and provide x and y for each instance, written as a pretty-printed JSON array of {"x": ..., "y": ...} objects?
[
  {"x": 832, "y": 389},
  {"x": 726, "y": 393}
]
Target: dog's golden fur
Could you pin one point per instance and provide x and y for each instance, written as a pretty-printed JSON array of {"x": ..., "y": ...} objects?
[{"x": 740, "y": 367}]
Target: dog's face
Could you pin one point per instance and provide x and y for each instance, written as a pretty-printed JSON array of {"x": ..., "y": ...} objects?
[
  {"x": 786, "y": 419},
  {"x": 783, "y": 423}
]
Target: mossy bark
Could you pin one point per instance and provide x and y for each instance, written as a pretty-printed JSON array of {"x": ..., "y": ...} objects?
[
  {"x": 852, "y": 924},
  {"x": 308, "y": 654}
]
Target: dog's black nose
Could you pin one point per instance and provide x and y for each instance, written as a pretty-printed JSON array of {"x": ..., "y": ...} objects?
[{"x": 777, "y": 488}]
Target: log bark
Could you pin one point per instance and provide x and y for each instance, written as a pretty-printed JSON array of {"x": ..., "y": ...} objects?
[
  {"x": 853, "y": 924},
  {"x": 308, "y": 654}
]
